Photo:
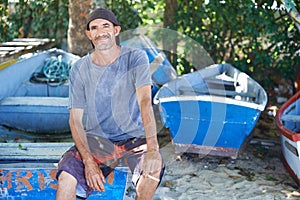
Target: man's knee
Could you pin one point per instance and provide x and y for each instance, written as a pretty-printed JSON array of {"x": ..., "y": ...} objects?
[
  {"x": 66, "y": 177},
  {"x": 66, "y": 186},
  {"x": 67, "y": 182}
]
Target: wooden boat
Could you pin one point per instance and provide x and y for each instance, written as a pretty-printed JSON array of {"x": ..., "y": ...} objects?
[
  {"x": 40, "y": 183},
  {"x": 33, "y": 103},
  {"x": 212, "y": 110},
  {"x": 19, "y": 46},
  {"x": 28, "y": 170},
  {"x": 288, "y": 122}
]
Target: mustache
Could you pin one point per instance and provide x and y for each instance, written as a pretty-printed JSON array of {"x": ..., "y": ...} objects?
[{"x": 102, "y": 37}]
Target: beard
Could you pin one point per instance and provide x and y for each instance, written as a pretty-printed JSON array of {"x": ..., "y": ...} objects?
[{"x": 104, "y": 45}]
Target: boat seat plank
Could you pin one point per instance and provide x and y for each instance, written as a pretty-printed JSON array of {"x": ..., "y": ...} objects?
[
  {"x": 20, "y": 43},
  {"x": 32, "y": 40},
  {"x": 219, "y": 81},
  {"x": 28, "y": 183},
  {"x": 5, "y": 48},
  {"x": 28, "y": 100},
  {"x": 3, "y": 52},
  {"x": 33, "y": 151},
  {"x": 47, "y": 90},
  {"x": 218, "y": 92},
  {"x": 292, "y": 118},
  {"x": 19, "y": 46}
]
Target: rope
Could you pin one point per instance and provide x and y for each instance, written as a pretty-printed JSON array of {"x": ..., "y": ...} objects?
[
  {"x": 55, "y": 71},
  {"x": 56, "y": 68}
]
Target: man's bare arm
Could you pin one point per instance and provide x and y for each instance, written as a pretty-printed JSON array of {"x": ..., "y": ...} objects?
[
  {"x": 144, "y": 100},
  {"x": 93, "y": 174}
]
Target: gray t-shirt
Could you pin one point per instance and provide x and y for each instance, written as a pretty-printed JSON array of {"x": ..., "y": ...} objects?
[{"x": 108, "y": 94}]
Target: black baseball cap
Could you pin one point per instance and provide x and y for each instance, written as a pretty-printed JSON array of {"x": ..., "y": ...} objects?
[{"x": 102, "y": 13}]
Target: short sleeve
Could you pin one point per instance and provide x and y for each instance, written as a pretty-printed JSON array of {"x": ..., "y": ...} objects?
[
  {"x": 76, "y": 88},
  {"x": 142, "y": 70}
]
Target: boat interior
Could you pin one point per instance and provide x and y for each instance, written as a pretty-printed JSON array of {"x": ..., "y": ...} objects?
[
  {"x": 37, "y": 83},
  {"x": 229, "y": 83},
  {"x": 291, "y": 118}
]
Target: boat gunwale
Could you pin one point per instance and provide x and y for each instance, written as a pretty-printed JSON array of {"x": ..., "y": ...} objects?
[
  {"x": 211, "y": 98},
  {"x": 35, "y": 101},
  {"x": 219, "y": 97}
]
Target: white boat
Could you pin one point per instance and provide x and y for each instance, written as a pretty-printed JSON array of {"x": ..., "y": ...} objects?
[{"x": 288, "y": 123}]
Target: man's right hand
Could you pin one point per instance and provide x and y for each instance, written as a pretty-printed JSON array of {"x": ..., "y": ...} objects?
[{"x": 94, "y": 176}]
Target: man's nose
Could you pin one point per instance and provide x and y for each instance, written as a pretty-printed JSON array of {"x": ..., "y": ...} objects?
[{"x": 100, "y": 30}]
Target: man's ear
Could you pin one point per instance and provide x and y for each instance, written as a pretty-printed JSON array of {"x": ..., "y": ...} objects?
[
  {"x": 88, "y": 34},
  {"x": 117, "y": 30}
]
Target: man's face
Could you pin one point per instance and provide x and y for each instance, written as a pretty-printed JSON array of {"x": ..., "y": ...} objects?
[{"x": 103, "y": 34}]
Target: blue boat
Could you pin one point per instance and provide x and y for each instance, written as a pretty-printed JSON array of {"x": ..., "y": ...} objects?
[
  {"x": 34, "y": 94},
  {"x": 40, "y": 183},
  {"x": 211, "y": 111},
  {"x": 34, "y": 100},
  {"x": 28, "y": 171}
]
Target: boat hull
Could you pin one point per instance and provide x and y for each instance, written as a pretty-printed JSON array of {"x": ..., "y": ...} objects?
[
  {"x": 45, "y": 115},
  {"x": 208, "y": 127},
  {"x": 291, "y": 159},
  {"x": 28, "y": 171},
  {"x": 38, "y": 105},
  {"x": 28, "y": 184},
  {"x": 288, "y": 122}
]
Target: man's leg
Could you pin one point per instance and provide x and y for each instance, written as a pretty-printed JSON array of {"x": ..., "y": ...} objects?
[
  {"x": 70, "y": 176},
  {"x": 148, "y": 181},
  {"x": 66, "y": 187},
  {"x": 147, "y": 185}
]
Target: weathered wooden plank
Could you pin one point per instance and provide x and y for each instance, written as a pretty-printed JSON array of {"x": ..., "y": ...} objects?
[
  {"x": 32, "y": 40},
  {"x": 35, "y": 101},
  {"x": 4, "y": 48},
  {"x": 36, "y": 179},
  {"x": 33, "y": 151},
  {"x": 32, "y": 183},
  {"x": 21, "y": 43},
  {"x": 3, "y": 53},
  {"x": 20, "y": 46}
]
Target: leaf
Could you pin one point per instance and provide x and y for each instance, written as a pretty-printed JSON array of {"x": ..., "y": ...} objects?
[{"x": 22, "y": 148}]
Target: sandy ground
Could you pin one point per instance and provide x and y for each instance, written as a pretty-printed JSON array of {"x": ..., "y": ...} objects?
[{"x": 257, "y": 173}]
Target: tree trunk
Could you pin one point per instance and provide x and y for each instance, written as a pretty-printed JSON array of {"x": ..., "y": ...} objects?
[
  {"x": 169, "y": 42},
  {"x": 78, "y": 42}
]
